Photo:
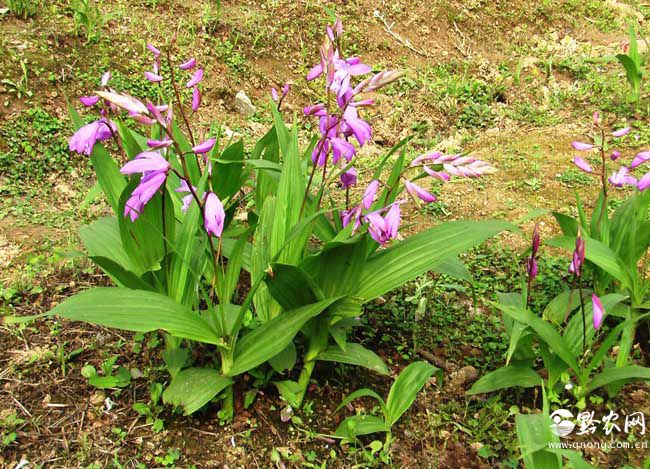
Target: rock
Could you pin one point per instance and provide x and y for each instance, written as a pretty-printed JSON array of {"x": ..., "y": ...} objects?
[
  {"x": 97, "y": 398},
  {"x": 243, "y": 104},
  {"x": 463, "y": 377}
]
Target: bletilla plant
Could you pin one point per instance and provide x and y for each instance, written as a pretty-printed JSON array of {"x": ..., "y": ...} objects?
[
  {"x": 252, "y": 253},
  {"x": 607, "y": 281}
]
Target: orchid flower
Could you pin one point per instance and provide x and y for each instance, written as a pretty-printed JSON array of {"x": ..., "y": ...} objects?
[
  {"x": 85, "y": 138},
  {"x": 419, "y": 193},
  {"x": 583, "y": 165},
  {"x": 383, "y": 229},
  {"x": 622, "y": 178},
  {"x": 214, "y": 215},
  {"x": 349, "y": 178},
  {"x": 578, "y": 257},
  {"x": 598, "y": 311},
  {"x": 154, "y": 168}
]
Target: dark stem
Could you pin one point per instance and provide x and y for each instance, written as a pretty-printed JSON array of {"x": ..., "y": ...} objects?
[
  {"x": 178, "y": 98},
  {"x": 584, "y": 320}
]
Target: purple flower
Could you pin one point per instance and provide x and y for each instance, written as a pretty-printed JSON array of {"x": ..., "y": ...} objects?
[
  {"x": 644, "y": 182},
  {"x": 147, "y": 161},
  {"x": 621, "y": 132},
  {"x": 417, "y": 192},
  {"x": 186, "y": 200},
  {"x": 196, "y": 78},
  {"x": 285, "y": 89},
  {"x": 531, "y": 265},
  {"x": 369, "y": 194},
  {"x": 85, "y": 138},
  {"x": 598, "y": 310},
  {"x": 196, "y": 98},
  {"x": 580, "y": 146},
  {"x": 582, "y": 164},
  {"x": 153, "y": 77},
  {"x": 153, "y": 49},
  {"x": 531, "y": 268},
  {"x": 348, "y": 216},
  {"x": 124, "y": 101},
  {"x": 596, "y": 118},
  {"x": 214, "y": 215},
  {"x": 315, "y": 110},
  {"x": 342, "y": 148},
  {"x": 578, "y": 257},
  {"x": 436, "y": 174},
  {"x": 425, "y": 157},
  {"x": 353, "y": 125},
  {"x": 142, "y": 194},
  {"x": 380, "y": 80},
  {"x": 622, "y": 178},
  {"x": 383, "y": 229},
  {"x": 274, "y": 94},
  {"x": 615, "y": 155},
  {"x": 349, "y": 178},
  {"x": 204, "y": 147},
  {"x": 105, "y": 78},
  {"x": 190, "y": 64},
  {"x": 152, "y": 143},
  {"x": 640, "y": 158},
  {"x": 89, "y": 100}
]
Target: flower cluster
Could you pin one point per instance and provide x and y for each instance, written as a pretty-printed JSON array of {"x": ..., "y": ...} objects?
[
  {"x": 623, "y": 176},
  {"x": 153, "y": 164},
  {"x": 340, "y": 123},
  {"x": 341, "y": 126}
]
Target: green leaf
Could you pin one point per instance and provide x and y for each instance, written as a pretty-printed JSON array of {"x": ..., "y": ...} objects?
[
  {"x": 266, "y": 149},
  {"x": 573, "y": 334},
  {"x": 506, "y": 377},
  {"x": 131, "y": 310},
  {"x": 599, "y": 254},
  {"x": 192, "y": 388},
  {"x": 291, "y": 286},
  {"x": 560, "y": 307},
  {"x": 612, "y": 375},
  {"x": 290, "y": 391},
  {"x": 233, "y": 270},
  {"x": 285, "y": 360},
  {"x": 109, "y": 176},
  {"x": 354, "y": 354},
  {"x": 227, "y": 171},
  {"x": 291, "y": 190},
  {"x": 340, "y": 265},
  {"x": 390, "y": 268},
  {"x": 132, "y": 143},
  {"x": 121, "y": 276},
  {"x": 546, "y": 331},
  {"x": 632, "y": 71},
  {"x": 359, "y": 425},
  {"x": 454, "y": 268},
  {"x": 272, "y": 337},
  {"x": 359, "y": 393},
  {"x": 534, "y": 434},
  {"x": 101, "y": 238},
  {"x": 142, "y": 239},
  {"x": 569, "y": 225},
  {"x": 406, "y": 388}
]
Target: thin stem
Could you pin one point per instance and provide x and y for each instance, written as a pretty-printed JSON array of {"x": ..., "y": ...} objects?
[
  {"x": 304, "y": 199},
  {"x": 178, "y": 98},
  {"x": 584, "y": 320}
]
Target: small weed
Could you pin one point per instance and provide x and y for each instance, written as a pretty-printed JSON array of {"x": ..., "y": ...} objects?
[
  {"x": 574, "y": 178},
  {"x": 24, "y": 8}
]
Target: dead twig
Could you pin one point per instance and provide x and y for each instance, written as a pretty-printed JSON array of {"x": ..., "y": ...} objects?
[{"x": 399, "y": 39}]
